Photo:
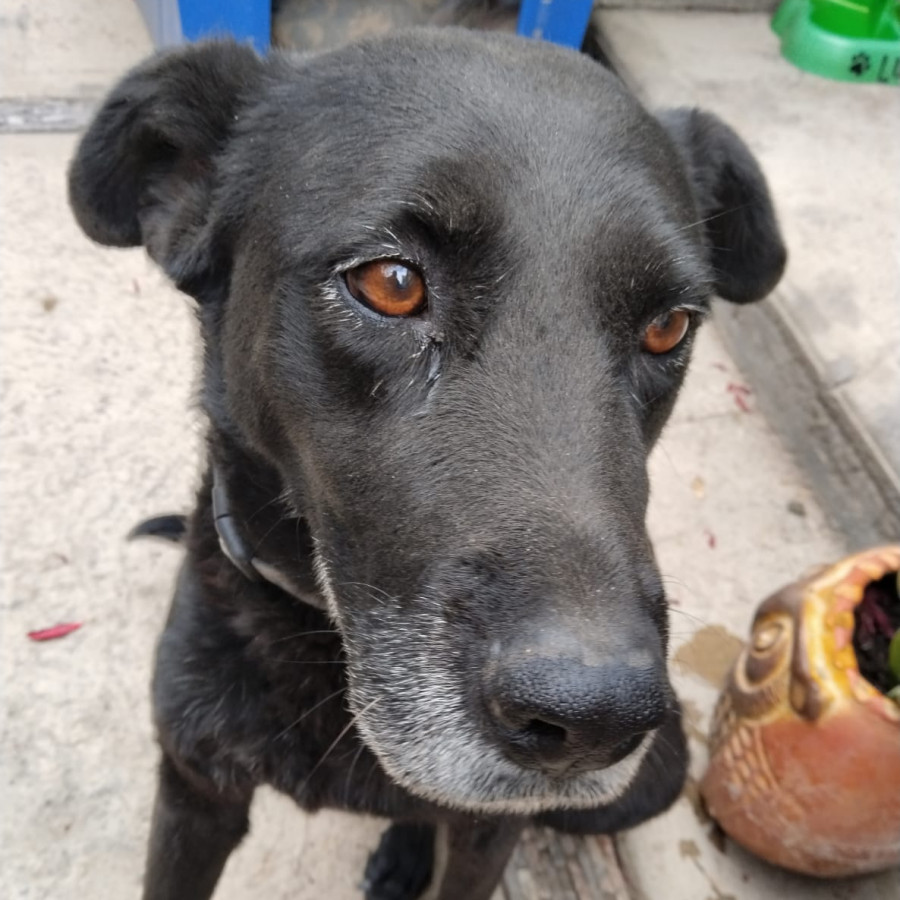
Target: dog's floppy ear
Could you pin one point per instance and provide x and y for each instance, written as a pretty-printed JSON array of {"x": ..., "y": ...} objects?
[
  {"x": 146, "y": 167},
  {"x": 746, "y": 248}
]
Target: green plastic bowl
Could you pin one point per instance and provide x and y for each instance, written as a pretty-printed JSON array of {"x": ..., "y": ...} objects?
[{"x": 847, "y": 40}]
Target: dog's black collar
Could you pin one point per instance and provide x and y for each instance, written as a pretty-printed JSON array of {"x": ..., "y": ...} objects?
[{"x": 241, "y": 555}]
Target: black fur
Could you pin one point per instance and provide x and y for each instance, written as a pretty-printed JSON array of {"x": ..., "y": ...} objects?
[
  {"x": 401, "y": 865},
  {"x": 472, "y": 480}
]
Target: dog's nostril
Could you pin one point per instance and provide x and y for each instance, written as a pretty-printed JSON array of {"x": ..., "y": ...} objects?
[
  {"x": 562, "y": 716},
  {"x": 546, "y": 732}
]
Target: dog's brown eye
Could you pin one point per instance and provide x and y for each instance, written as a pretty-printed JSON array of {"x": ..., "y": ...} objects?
[
  {"x": 387, "y": 286},
  {"x": 667, "y": 331}
]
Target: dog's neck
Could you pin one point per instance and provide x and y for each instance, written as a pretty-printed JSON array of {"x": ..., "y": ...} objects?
[{"x": 258, "y": 536}]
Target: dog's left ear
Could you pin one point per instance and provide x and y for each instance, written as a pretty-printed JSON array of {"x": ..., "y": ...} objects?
[{"x": 746, "y": 249}]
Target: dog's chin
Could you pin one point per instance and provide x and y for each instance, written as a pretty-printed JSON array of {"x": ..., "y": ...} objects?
[{"x": 457, "y": 768}]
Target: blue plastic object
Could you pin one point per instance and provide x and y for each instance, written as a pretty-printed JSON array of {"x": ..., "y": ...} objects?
[
  {"x": 560, "y": 21},
  {"x": 173, "y": 22}
]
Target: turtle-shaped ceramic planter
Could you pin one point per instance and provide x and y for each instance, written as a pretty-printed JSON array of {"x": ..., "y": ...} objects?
[{"x": 805, "y": 752}]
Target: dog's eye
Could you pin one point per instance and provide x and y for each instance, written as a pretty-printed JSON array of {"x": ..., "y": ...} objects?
[
  {"x": 388, "y": 287},
  {"x": 667, "y": 331}
]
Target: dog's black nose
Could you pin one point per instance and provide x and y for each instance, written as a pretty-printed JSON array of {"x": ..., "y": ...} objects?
[{"x": 562, "y": 716}]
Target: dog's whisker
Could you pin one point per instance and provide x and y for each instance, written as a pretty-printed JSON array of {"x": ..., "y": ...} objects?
[
  {"x": 344, "y": 731},
  {"x": 670, "y": 581},
  {"x": 302, "y": 634},
  {"x": 658, "y": 766},
  {"x": 368, "y": 587},
  {"x": 297, "y": 537},
  {"x": 257, "y": 482},
  {"x": 278, "y": 498},
  {"x": 718, "y": 215},
  {"x": 309, "y": 712},
  {"x": 663, "y": 448},
  {"x": 349, "y": 777},
  {"x": 688, "y": 615},
  {"x": 373, "y": 768},
  {"x": 311, "y": 662},
  {"x": 280, "y": 521}
]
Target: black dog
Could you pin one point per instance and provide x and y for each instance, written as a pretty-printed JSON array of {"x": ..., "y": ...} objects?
[{"x": 448, "y": 284}]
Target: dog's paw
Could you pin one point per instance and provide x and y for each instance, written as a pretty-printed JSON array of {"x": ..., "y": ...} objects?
[{"x": 400, "y": 868}]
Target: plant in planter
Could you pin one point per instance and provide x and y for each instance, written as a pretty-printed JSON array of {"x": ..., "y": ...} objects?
[
  {"x": 805, "y": 743},
  {"x": 894, "y": 659},
  {"x": 876, "y": 639}
]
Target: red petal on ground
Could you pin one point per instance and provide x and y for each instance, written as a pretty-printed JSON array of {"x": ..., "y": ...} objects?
[
  {"x": 740, "y": 392},
  {"x": 55, "y": 631},
  {"x": 710, "y": 540}
]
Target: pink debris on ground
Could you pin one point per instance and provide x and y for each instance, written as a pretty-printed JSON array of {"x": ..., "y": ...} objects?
[
  {"x": 740, "y": 392},
  {"x": 55, "y": 631}
]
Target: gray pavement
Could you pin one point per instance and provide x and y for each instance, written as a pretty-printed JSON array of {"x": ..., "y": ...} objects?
[
  {"x": 98, "y": 430},
  {"x": 824, "y": 349}
]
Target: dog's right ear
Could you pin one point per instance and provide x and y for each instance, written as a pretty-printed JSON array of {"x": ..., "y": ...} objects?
[
  {"x": 732, "y": 197},
  {"x": 145, "y": 170}
]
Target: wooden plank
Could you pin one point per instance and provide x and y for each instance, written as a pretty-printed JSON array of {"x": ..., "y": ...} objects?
[
  {"x": 547, "y": 865},
  {"x": 45, "y": 114}
]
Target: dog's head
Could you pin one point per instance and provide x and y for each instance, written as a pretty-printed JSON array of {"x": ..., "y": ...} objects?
[{"x": 449, "y": 284}]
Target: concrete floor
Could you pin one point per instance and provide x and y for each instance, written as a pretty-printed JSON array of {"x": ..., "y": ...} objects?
[
  {"x": 832, "y": 157},
  {"x": 97, "y": 431}
]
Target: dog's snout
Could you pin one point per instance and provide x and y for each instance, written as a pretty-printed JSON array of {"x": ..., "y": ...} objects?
[{"x": 562, "y": 716}]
